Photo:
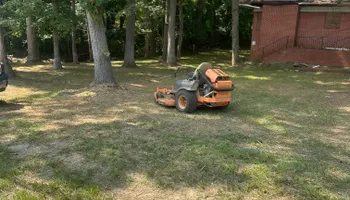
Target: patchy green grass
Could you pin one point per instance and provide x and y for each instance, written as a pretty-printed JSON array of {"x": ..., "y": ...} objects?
[{"x": 285, "y": 135}]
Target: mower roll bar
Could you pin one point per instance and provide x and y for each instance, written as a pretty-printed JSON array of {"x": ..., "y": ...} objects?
[
  {"x": 214, "y": 88},
  {"x": 177, "y": 70}
]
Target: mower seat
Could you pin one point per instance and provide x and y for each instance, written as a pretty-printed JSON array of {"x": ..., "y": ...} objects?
[{"x": 3, "y": 77}]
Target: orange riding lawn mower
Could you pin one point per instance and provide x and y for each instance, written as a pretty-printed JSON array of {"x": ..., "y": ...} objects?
[{"x": 204, "y": 87}]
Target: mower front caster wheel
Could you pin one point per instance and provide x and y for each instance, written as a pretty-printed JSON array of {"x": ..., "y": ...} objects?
[{"x": 186, "y": 101}]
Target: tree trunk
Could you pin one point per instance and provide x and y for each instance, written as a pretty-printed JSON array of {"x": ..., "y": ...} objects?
[
  {"x": 199, "y": 29},
  {"x": 56, "y": 49},
  {"x": 110, "y": 21},
  {"x": 235, "y": 33},
  {"x": 148, "y": 31},
  {"x": 89, "y": 41},
  {"x": 181, "y": 31},
  {"x": 213, "y": 26},
  {"x": 150, "y": 42},
  {"x": 121, "y": 21},
  {"x": 101, "y": 55},
  {"x": 129, "y": 53},
  {"x": 74, "y": 40},
  {"x": 171, "y": 56},
  {"x": 31, "y": 42},
  {"x": 153, "y": 43},
  {"x": 56, "y": 42},
  {"x": 3, "y": 54},
  {"x": 165, "y": 32},
  {"x": 69, "y": 48}
]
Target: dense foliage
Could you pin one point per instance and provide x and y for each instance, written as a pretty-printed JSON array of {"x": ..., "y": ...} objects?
[{"x": 213, "y": 30}]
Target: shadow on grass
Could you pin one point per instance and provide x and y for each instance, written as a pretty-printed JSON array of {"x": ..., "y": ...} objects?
[
  {"x": 275, "y": 140},
  {"x": 106, "y": 155},
  {"x": 5, "y": 107},
  {"x": 91, "y": 158}
]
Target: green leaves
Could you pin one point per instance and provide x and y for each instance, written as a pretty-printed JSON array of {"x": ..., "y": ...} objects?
[{"x": 95, "y": 5}]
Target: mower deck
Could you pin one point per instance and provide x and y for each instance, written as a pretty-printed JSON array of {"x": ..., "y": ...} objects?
[{"x": 165, "y": 97}]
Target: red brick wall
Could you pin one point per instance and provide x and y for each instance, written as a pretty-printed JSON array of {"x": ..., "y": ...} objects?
[
  {"x": 307, "y": 29},
  {"x": 311, "y": 56},
  {"x": 312, "y": 24},
  {"x": 313, "y": 34},
  {"x": 255, "y": 32},
  {"x": 277, "y": 22}
]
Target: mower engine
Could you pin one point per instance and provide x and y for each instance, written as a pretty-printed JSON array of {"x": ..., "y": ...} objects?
[
  {"x": 216, "y": 90},
  {"x": 205, "y": 87}
]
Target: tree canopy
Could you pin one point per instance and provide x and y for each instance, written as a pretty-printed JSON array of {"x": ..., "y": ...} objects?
[{"x": 198, "y": 26}]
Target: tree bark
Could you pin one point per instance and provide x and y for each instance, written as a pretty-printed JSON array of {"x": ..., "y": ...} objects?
[
  {"x": 181, "y": 31},
  {"x": 213, "y": 26},
  {"x": 165, "y": 32},
  {"x": 121, "y": 21},
  {"x": 150, "y": 42},
  {"x": 101, "y": 54},
  {"x": 235, "y": 32},
  {"x": 89, "y": 41},
  {"x": 171, "y": 56},
  {"x": 74, "y": 36},
  {"x": 56, "y": 42},
  {"x": 153, "y": 43},
  {"x": 3, "y": 54},
  {"x": 148, "y": 31},
  {"x": 31, "y": 42},
  {"x": 110, "y": 21},
  {"x": 129, "y": 53}
]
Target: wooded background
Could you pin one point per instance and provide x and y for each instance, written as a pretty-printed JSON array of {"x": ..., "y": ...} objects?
[{"x": 58, "y": 29}]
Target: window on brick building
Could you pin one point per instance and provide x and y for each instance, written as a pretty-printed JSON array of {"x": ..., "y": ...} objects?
[
  {"x": 332, "y": 21},
  {"x": 258, "y": 20}
]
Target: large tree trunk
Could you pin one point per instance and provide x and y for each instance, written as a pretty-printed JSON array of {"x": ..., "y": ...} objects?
[
  {"x": 3, "y": 54},
  {"x": 129, "y": 53},
  {"x": 199, "y": 24},
  {"x": 171, "y": 56},
  {"x": 74, "y": 36},
  {"x": 153, "y": 43},
  {"x": 148, "y": 31},
  {"x": 89, "y": 41},
  {"x": 31, "y": 42},
  {"x": 56, "y": 42},
  {"x": 150, "y": 42},
  {"x": 110, "y": 20},
  {"x": 235, "y": 33},
  {"x": 165, "y": 32},
  {"x": 121, "y": 21},
  {"x": 213, "y": 25},
  {"x": 101, "y": 55},
  {"x": 181, "y": 31}
]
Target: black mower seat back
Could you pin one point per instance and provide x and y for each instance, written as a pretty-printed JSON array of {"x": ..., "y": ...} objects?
[
  {"x": 3, "y": 79},
  {"x": 3, "y": 82}
]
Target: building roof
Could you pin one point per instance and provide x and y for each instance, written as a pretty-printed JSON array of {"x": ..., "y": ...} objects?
[{"x": 295, "y": 1}]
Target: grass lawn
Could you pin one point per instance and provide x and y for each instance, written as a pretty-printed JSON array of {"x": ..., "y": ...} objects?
[{"x": 286, "y": 135}]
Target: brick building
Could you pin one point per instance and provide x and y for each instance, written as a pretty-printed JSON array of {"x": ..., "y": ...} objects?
[{"x": 308, "y": 31}]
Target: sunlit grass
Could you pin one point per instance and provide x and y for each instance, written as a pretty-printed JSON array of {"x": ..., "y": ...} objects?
[{"x": 284, "y": 136}]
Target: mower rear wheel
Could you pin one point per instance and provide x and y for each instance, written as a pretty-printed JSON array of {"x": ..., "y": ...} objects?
[{"x": 186, "y": 101}]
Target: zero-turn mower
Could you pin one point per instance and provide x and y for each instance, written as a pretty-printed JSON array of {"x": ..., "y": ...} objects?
[{"x": 204, "y": 87}]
